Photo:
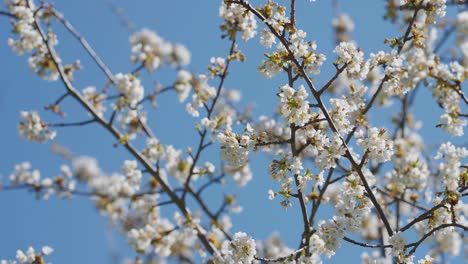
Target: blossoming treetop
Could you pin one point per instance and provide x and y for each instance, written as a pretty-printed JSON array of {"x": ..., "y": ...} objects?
[{"x": 388, "y": 191}]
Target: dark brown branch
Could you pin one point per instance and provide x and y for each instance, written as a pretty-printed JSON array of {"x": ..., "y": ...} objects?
[
  {"x": 74, "y": 124},
  {"x": 422, "y": 217},
  {"x": 416, "y": 244},
  {"x": 6, "y": 13},
  {"x": 414, "y": 204},
  {"x": 279, "y": 142},
  {"x": 364, "y": 244},
  {"x": 209, "y": 183},
  {"x": 330, "y": 82}
]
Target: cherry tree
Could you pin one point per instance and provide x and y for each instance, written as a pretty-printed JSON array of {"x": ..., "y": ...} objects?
[{"x": 395, "y": 195}]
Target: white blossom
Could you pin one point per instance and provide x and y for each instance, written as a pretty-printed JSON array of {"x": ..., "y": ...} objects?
[
  {"x": 450, "y": 169},
  {"x": 154, "y": 150},
  {"x": 203, "y": 92},
  {"x": 379, "y": 147},
  {"x": 267, "y": 39},
  {"x": 129, "y": 86},
  {"x": 181, "y": 55},
  {"x": 30, "y": 256},
  {"x": 410, "y": 167},
  {"x": 183, "y": 84},
  {"x": 353, "y": 57},
  {"x": 22, "y": 174},
  {"x": 293, "y": 105},
  {"x": 29, "y": 37},
  {"x": 46, "y": 250},
  {"x": 85, "y": 168},
  {"x": 236, "y": 16},
  {"x": 343, "y": 25},
  {"x": 398, "y": 244},
  {"x": 95, "y": 99},
  {"x": 177, "y": 166},
  {"x": 153, "y": 51},
  {"x": 241, "y": 175},
  {"x": 32, "y": 128},
  {"x": 240, "y": 250},
  {"x": 235, "y": 148}
]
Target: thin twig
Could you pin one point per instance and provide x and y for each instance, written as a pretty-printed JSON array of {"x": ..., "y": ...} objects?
[
  {"x": 73, "y": 124},
  {"x": 210, "y": 112},
  {"x": 364, "y": 244}
]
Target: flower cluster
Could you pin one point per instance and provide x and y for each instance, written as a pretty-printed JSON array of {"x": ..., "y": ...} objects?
[
  {"x": 270, "y": 130},
  {"x": 95, "y": 99},
  {"x": 378, "y": 146},
  {"x": 410, "y": 168},
  {"x": 31, "y": 256},
  {"x": 340, "y": 113},
  {"x": 113, "y": 186},
  {"x": 21, "y": 175},
  {"x": 133, "y": 176},
  {"x": 157, "y": 235},
  {"x": 353, "y": 58},
  {"x": 235, "y": 148},
  {"x": 273, "y": 247},
  {"x": 32, "y": 128},
  {"x": 398, "y": 245},
  {"x": 285, "y": 169},
  {"x": 342, "y": 108},
  {"x": 154, "y": 150},
  {"x": 352, "y": 208},
  {"x": 303, "y": 51},
  {"x": 153, "y": 51},
  {"x": 202, "y": 93},
  {"x": 267, "y": 39},
  {"x": 326, "y": 150},
  {"x": 138, "y": 214},
  {"x": 434, "y": 9},
  {"x": 286, "y": 163},
  {"x": 276, "y": 16},
  {"x": 183, "y": 84},
  {"x": 30, "y": 39},
  {"x": 130, "y": 87},
  {"x": 450, "y": 120},
  {"x": 62, "y": 185},
  {"x": 161, "y": 235},
  {"x": 85, "y": 168},
  {"x": 450, "y": 169},
  {"x": 237, "y": 19},
  {"x": 330, "y": 232},
  {"x": 240, "y": 250},
  {"x": 177, "y": 165},
  {"x": 293, "y": 105},
  {"x": 343, "y": 25},
  {"x": 131, "y": 121}
]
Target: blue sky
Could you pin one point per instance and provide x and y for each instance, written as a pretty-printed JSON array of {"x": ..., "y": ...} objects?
[{"x": 73, "y": 227}]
